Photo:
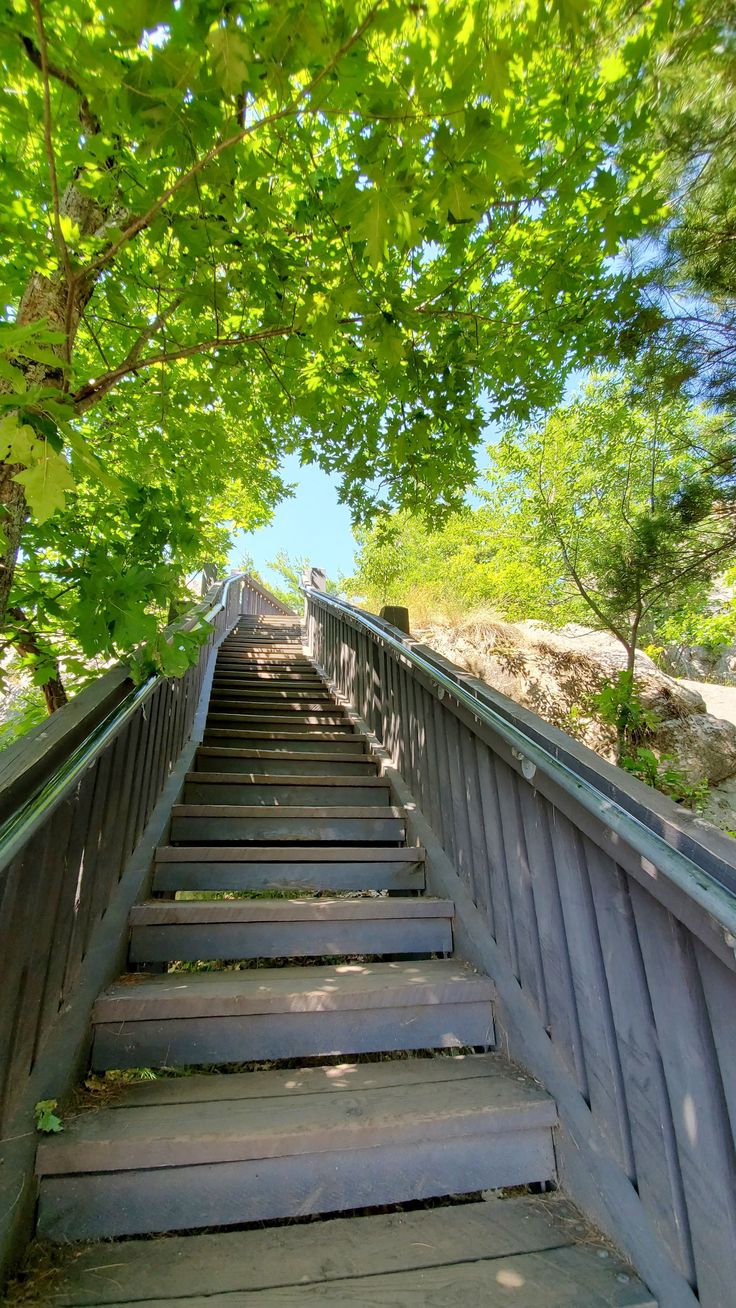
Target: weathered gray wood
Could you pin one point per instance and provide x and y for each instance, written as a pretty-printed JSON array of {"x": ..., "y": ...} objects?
[
  {"x": 26, "y": 764},
  {"x": 448, "y": 1098},
  {"x": 157, "y": 912},
  {"x": 240, "y": 1262},
  {"x": 217, "y": 1017},
  {"x": 221, "y": 788},
  {"x": 274, "y": 1036},
  {"x": 310, "y": 709},
  {"x": 587, "y": 1169},
  {"x": 649, "y": 1109},
  {"x": 292, "y": 990},
  {"x": 332, "y": 938},
  {"x": 317, "y": 741},
  {"x": 302, "y": 723},
  {"x": 208, "y": 823},
  {"x": 600, "y": 1046},
  {"x": 169, "y": 1198},
  {"x": 563, "y": 1023},
  {"x": 256, "y": 693},
  {"x": 259, "y": 763},
  {"x": 702, "y": 1129},
  {"x": 213, "y": 869}
]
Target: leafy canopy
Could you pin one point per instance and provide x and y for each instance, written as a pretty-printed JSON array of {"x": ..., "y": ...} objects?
[
  {"x": 349, "y": 229},
  {"x": 356, "y": 218}
]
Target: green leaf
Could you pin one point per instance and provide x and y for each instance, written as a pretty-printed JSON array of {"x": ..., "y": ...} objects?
[
  {"x": 47, "y": 1120},
  {"x": 229, "y": 51},
  {"x": 46, "y": 483},
  {"x": 18, "y": 444}
]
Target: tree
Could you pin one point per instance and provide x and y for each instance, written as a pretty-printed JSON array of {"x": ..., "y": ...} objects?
[
  {"x": 691, "y": 259},
  {"x": 291, "y": 572},
  {"x": 327, "y": 227},
  {"x": 628, "y": 496}
]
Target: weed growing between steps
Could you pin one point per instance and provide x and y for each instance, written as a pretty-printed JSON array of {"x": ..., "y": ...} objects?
[{"x": 99, "y": 1090}]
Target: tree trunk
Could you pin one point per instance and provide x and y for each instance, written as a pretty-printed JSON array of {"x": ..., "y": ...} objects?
[
  {"x": 45, "y": 300},
  {"x": 627, "y": 686},
  {"x": 26, "y": 642}
]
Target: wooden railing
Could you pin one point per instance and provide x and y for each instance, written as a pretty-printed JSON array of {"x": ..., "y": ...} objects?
[
  {"x": 79, "y": 796},
  {"x": 607, "y": 919}
]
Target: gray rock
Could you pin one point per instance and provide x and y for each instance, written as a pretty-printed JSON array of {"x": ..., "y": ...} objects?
[
  {"x": 703, "y": 747},
  {"x": 555, "y": 673}
]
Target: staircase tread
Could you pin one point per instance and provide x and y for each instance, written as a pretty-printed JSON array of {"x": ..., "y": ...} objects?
[
  {"x": 316, "y": 988},
  {"x": 287, "y": 811},
  {"x": 286, "y": 779},
  {"x": 247, "y": 734},
  {"x": 294, "y": 756},
  {"x": 362, "y": 1105},
  {"x": 158, "y": 912},
  {"x": 498, "y": 1244},
  {"x": 287, "y": 854}
]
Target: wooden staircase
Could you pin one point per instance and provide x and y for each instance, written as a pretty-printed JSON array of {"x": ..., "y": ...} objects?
[{"x": 284, "y": 800}]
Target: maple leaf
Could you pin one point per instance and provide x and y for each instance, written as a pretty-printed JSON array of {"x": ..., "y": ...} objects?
[{"x": 45, "y": 484}]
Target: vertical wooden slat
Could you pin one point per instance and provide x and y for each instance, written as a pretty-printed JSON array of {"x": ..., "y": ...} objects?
[
  {"x": 83, "y": 801},
  {"x": 600, "y": 1048},
  {"x": 699, "y": 1111},
  {"x": 458, "y": 799},
  {"x": 563, "y": 1018},
  {"x": 521, "y": 891},
  {"x": 500, "y": 899},
  {"x": 657, "y": 1170}
]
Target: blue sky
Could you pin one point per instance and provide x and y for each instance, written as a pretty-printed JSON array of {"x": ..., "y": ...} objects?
[{"x": 312, "y": 523}]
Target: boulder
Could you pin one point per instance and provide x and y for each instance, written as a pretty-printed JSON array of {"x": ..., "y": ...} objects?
[
  {"x": 701, "y": 746},
  {"x": 555, "y": 673}
]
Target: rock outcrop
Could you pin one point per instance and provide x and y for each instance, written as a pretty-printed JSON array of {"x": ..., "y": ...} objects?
[{"x": 556, "y": 673}]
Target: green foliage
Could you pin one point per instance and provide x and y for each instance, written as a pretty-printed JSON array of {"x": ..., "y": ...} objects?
[
  {"x": 624, "y": 494},
  {"x": 290, "y": 570},
  {"x": 25, "y": 709},
  {"x": 692, "y": 270},
  {"x": 664, "y": 775},
  {"x": 47, "y": 1120},
  {"x": 330, "y": 229},
  {"x": 617, "y": 704}
]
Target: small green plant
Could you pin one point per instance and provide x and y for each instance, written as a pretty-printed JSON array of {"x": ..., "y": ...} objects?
[
  {"x": 619, "y": 705},
  {"x": 47, "y": 1120},
  {"x": 664, "y": 775}
]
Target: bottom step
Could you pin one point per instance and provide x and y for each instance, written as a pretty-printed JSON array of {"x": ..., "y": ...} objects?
[
  {"x": 505, "y": 1253},
  {"x": 253, "y": 1146}
]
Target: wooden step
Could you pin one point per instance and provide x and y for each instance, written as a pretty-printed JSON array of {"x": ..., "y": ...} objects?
[
  {"x": 214, "y": 868},
  {"x": 291, "y": 1012},
  {"x": 317, "y": 741},
  {"x": 162, "y": 931},
  {"x": 241, "y": 788},
  {"x": 518, "y": 1251},
  {"x": 258, "y": 694},
  {"x": 290, "y": 762},
  {"x": 210, "y": 823},
  {"x": 318, "y": 709},
  {"x": 333, "y": 722},
  {"x": 216, "y": 1151},
  {"x": 270, "y": 682}
]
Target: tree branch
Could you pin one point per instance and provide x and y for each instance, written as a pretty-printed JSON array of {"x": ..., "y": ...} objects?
[
  {"x": 92, "y": 392},
  {"x": 90, "y": 122},
  {"x": 59, "y": 241},
  {"x": 144, "y": 220}
]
